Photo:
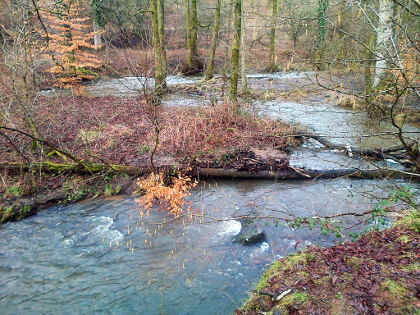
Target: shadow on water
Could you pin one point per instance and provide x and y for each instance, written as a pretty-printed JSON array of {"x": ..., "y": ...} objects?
[{"x": 101, "y": 257}]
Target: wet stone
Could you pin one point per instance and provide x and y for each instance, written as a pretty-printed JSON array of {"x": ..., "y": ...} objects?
[{"x": 251, "y": 233}]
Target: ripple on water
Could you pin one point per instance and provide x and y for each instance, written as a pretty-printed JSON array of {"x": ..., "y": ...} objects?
[{"x": 102, "y": 232}]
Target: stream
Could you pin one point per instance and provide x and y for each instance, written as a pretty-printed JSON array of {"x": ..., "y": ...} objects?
[{"x": 101, "y": 257}]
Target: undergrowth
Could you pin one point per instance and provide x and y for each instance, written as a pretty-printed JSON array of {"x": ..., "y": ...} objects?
[
  {"x": 167, "y": 194},
  {"x": 203, "y": 130}
]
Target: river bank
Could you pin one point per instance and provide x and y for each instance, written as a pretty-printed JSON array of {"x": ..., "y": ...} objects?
[
  {"x": 120, "y": 137},
  {"x": 377, "y": 274}
]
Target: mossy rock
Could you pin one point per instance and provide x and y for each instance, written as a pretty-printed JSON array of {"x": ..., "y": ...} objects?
[{"x": 251, "y": 233}]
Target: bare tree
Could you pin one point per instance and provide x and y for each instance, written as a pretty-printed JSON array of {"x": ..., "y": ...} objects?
[
  {"x": 214, "y": 41},
  {"x": 158, "y": 16},
  {"x": 233, "y": 92},
  {"x": 272, "y": 67}
]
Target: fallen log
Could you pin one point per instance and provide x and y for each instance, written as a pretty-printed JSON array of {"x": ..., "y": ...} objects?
[
  {"x": 307, "y": 174},
  {"x": 379, "y": 154},
  {"x": 82, "y": 169},
  {"x": 287, "y": 173}
]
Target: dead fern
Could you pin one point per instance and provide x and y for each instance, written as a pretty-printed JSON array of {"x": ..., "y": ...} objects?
[{"x": 168, "y": 197}]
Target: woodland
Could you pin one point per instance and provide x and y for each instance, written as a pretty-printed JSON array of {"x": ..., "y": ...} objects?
[{"x": 69, "y": 133}]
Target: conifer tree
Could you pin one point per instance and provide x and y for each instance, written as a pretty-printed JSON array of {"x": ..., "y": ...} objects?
[{"x": 70, "y": 45}]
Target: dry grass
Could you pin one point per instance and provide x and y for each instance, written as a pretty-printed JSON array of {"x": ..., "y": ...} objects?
[
  {"x": 120, "y": 130},
  {"x": 192, "y": 132}
]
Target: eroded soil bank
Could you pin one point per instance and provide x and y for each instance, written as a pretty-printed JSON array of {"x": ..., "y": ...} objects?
[{"x": 377, "y": 274}]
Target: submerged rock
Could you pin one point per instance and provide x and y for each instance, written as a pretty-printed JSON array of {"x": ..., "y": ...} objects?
[{"x": 251, "y": 233}]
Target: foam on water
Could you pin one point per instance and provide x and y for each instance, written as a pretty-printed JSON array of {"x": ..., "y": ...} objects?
[
  {"x": 104, "y": 230},
  {"x": 279, "y": 75},
  {"x": 230, "y": 228},
  {"x": 260, "y": 250}
]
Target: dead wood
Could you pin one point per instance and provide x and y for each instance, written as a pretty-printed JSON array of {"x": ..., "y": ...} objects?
[
  {"x": 287, "y": 173},
  {"x": 378, "y": 153}
]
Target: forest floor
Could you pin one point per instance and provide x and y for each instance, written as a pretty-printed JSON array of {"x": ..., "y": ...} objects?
[{"x": 377, "y": 274}]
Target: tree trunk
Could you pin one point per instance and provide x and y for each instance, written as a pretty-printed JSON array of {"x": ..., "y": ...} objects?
[
  {"x": 322, "y": 9},
  {"x": 233, "y": 93},
  {"x": 320, "y": 43},
  {"x": 306, "y": 174},
  {"x": 156, "y": 7},
  {"x": 161, "y": 24},
  {"x": 272, "y": 66},
  {"x": 283, "y": 174},
  {"x": 188, "y": 31},
  {"x": 191, "y": 23},
  {"x": 214, "y": 41},
  {"x": 369, "y": 64},
  {"x": 383, "y": 47},
  {"x": 340, "y": 19},
  {"x": 228, "y": 33},
  {"x": 97, "y": 37},
  {"x": 244, "y": 81},
  {"x": 194, "y": 28}
]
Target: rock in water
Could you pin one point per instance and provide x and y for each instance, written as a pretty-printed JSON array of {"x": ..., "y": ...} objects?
[{"x": 251, "y": 233}]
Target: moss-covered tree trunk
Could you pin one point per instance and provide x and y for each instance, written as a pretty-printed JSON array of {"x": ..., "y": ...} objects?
[
  {"x": 161, "y": 27},
  {"x": 272, "y": 66},
  {"x": 156, "y": 8},
  {"x": 228, "y": 34},
  {"x": 214, "y": 41},
  {"x": 188, "y": 30},
  {"x": 191, "y": 26},
  {"x": 244, "y": 81},
  {"x": 322, "y": 30},
  {"x": 369, "y": 65},
  {"x": 322, "y": 21},
  {"x": 237, "y": 11},
  {"x": 194, "y": 28}
]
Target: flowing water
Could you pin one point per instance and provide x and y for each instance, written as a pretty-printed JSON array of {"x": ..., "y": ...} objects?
[{"x": 101, "y": 257}]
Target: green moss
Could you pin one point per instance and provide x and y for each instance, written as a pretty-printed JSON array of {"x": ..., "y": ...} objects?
[
  {"x": 295, "y": 298},
  {"x": 339, "y": 295},
  {"x": 24, "y": 212},
  {"x": 250, "y": 305},
  {"x": 322, "y": 280},
  {"x": 271, "y": 272},
  {"x": 412, "y": 267},
  {"x": 403, "y": 239},
  {"x": 290, "y": 262},
  {"x": 411, "y": 220},
  {"x": 7, "y": 214},
  {"x": 394, "y": 288},
  {"x": 398, "y": 297},
  {"x": 14, "y": 191},
  {"x": 292, "y": 300},
  {"x": 355, "y": 262}
]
